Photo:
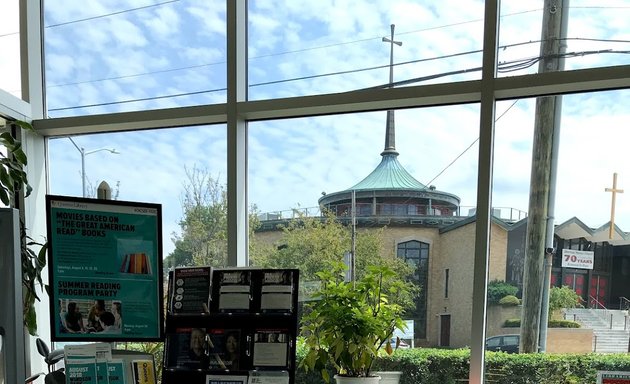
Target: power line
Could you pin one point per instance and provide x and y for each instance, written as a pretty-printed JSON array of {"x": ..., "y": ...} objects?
[
  {"x": 470, "y": 146},
  {"x": 511, "y": 65}
]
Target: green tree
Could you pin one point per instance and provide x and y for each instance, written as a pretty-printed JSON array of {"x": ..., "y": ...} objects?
[
  {"x": 203, "y": 237},
  {"x": 203, "y": 227},
  {"x": 314, "y": 244},
  {"x": 563, "y": 297}
]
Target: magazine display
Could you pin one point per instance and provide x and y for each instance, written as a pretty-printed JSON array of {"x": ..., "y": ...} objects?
[
  {"x": 244, "y": 335},
  {"x": 191, "y": 290},
  {"x": 276, "y": 294},
  {"x": 271, "y": 348},
  {"x": 234, "y": 290}
]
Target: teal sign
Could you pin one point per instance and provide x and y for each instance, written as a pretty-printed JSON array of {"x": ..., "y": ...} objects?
[{"x": 105, "y": 266}]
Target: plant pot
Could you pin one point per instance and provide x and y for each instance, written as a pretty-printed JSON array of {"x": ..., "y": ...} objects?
[
  {"x": 389, "y": 377},
  {"x": 357, "y": 380}
]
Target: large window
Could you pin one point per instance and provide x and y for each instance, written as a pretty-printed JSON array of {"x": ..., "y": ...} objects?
[
  {"x": 10, "y": 43},
  {"x": 416, "y": 254},
  {"x": 316, "y": 77}
]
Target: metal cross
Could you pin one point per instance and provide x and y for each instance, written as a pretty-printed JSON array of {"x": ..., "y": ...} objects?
[
  {"x": 391, "y": 53},
  {"x": 614, "y": 191}
]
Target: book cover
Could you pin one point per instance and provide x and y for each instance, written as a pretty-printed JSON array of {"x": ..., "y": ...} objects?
[
  {"x": 191, "y": 290},
  {"x": 234, "y": 291},
  {"x": 271, "y": 348},
  {"x": 143, "y": 372},
  {"x": 277, "y": 291},
  {"x": 226, "y": 379},
  {"x": 225, "y": 349},
  {"x": 116, "y": 371},
  {"x": 187, "y": 348}
]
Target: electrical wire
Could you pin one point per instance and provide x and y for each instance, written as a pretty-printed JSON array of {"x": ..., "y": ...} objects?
[
  {"x": 470, "y": 146},
  {"x": 510, "y": 65}
]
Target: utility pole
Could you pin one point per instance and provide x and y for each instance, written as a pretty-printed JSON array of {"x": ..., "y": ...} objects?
[{"x": 540, "y": 224}]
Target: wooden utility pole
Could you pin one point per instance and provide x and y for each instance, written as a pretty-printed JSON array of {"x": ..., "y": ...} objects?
[{"x": 541, "y": 183}]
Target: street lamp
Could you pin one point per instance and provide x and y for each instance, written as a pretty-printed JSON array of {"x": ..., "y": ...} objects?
[{"x": 85, "y": 153}]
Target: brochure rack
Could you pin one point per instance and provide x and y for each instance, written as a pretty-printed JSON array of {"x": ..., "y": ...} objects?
[{"x": 245, "y": 333}]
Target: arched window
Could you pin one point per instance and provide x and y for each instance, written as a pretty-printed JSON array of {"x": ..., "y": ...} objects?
[{"x": 416, "y": 254}]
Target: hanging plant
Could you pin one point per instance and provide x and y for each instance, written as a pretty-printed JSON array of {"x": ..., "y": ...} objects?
[{"x": 13, "y": 179}]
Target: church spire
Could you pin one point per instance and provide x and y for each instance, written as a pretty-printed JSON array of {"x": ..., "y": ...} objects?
[{"x": 390, "y": 129}]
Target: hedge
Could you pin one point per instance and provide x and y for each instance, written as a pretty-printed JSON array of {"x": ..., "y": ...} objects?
[
  {"x": 516, "y": 323},
  {"x": 450, "y": 366}
]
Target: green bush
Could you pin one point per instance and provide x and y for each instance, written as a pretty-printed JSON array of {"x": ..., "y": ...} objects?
[
  {"x": 429, "y": 365},
  {"x": 498, "y": 289},
  {"x": 516, "y": 323},
  {"x": 509, "y": 301}
]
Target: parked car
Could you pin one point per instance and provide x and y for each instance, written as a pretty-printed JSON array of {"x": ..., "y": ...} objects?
[
  {"x": 503, "y": 343},
  {"x": 402, "y": 344}
]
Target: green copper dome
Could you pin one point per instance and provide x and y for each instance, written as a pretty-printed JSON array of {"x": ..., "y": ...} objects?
[{"x": 389, "y": 174}]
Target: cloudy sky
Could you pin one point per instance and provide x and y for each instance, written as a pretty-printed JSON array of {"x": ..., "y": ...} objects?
[{"x": 130, "y": 55}]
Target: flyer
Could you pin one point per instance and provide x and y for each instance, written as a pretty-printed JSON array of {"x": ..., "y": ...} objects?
[
  {"x": 116, "y": 371},
  {"x": 234, "y": 290},
  {"x": 271, "y": 348},
  {"x": 103, "y": 356},
  {"x": 105, "y": 269},
  {"x": 277, "y": 291},
  {"x": 187, "y": 348},
  {"x": 226, "y": 379},
  {"x": 191, "y": 290},
  {"x": 80, "y": 363}
]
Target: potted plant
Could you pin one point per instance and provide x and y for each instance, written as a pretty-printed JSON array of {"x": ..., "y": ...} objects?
[
  {"x": 13, "y": 179},
  {"x": 349, "y": 324}
]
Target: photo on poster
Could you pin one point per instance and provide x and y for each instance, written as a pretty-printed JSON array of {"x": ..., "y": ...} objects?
[
  {"x": 135, "y": 256},
  {"x": 271, "y": 348},
  {"x": 187, "y": 348},
  {"x": 90, "y": 316},
  {"x": 225, "y": 349}
]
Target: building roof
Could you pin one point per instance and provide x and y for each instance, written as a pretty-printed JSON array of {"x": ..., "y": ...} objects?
[{"x": 389, "y": 174}]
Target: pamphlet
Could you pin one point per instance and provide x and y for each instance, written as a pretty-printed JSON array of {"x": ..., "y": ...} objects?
[
  {"x": 143, "y": 372},
  {"x": 116, "y": 371},
  {"x": 234, "y": 291},
  {"x": 187, "y": 348},
  {"x": 80, "y": 362},
  {"x": 268, "y": 377},
  {"x": 191, "y": 290},
  {"x": 271, "y": 348},
  {"x": 226, "y": 379},
  {"x": 103, "y": 355},
  {"x": 277, "y": 291},
  {"x": 224, "y": 349}
]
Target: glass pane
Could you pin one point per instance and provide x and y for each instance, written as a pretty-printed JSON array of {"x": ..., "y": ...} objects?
[
  {"x": 304, "y": 168},
  {"x": 596, "y": 35},
  {"x": 10, "y": 75},
  {"x": 307, "y": 48},
  {"x": 121, "y": 56},
  {"x": 155, "y": 166},
  {"x": 587, "y": 261}
]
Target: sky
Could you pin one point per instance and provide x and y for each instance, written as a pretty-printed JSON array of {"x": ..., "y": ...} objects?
[{"x": 117, "y": 56}]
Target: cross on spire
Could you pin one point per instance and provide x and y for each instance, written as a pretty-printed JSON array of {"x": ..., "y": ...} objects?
[
  {"x": 614, "y": 191},
  {"x": 390, "y": 133}
]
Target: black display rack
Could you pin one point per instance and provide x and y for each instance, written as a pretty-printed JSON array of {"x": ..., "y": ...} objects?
[{"x": 267, "y": 329}]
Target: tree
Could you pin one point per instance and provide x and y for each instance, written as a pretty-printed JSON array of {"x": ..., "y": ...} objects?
[
  {"x": 203, "y": 238},
  {"x": 314, "y": 244},
  {"x": 563, "y": 297}
]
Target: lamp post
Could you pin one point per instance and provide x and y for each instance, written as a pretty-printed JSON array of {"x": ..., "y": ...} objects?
[{"x": 85, "y": 153}]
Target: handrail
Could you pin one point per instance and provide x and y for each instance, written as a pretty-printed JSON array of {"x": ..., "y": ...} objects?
[
  {"x": 624, "y": 303},
  {"x": 593, "y": 299}
]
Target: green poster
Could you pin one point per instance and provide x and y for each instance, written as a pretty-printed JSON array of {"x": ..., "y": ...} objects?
[{"x": 105, "y": 268}]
